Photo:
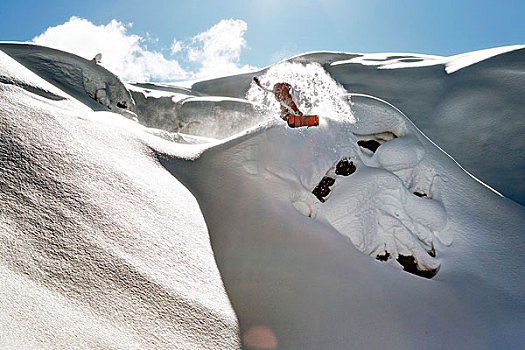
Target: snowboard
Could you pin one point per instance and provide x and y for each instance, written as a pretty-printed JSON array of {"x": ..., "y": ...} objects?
[{"x": 297, "y": 121}]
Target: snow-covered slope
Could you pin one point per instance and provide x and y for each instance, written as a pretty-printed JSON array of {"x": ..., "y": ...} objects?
[
  {"x": 100, "y": 246},
  {"x": 187, "y": 112},
  {"x": 472, "y": 105},
  {"x": 359, "y": 233},
  {"x": 84, "y": 80},
  {"x": 290, "y": 262}
]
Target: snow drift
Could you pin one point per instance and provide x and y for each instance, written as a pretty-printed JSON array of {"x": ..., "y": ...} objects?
[
  {"x": 101, "y": 248},
  {"x": 360, "y": 233},
  {"x": 471, "y": 104}
]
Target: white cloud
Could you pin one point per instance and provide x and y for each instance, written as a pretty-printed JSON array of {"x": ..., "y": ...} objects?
[
  {"x": 216, "y": 51},
  {"x": 176, "y": 46},
  {"x": 122, "y": 53}
]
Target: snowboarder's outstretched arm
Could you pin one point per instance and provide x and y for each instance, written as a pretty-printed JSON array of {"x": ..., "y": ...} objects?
[
  {"x": 257, "y": 81},
  {"x": 281, "y": 91}
]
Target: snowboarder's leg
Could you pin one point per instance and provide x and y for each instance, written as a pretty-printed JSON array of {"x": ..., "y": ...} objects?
[{"x": 284, "y": 113}]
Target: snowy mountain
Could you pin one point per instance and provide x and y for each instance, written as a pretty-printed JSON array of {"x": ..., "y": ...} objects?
[{"x": 189, "y": 216}]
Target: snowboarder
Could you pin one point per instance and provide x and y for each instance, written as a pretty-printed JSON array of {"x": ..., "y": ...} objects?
[{"x": 283, "y": 93}]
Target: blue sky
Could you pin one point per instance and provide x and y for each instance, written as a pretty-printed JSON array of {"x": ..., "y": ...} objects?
[{"x": 279, "y": 28}]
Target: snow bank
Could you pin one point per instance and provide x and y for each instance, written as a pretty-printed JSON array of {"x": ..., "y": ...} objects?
[
  {"x": 471, "y": 105},
  {"x": 297, "y": 276},
  {"x": 467, "y": 113},
  {"x": 100, "y": 246},
  {"x": 293, "y": 264},
  {"x": 85, "y": 80},
  {"x": 183, "y": 111}
]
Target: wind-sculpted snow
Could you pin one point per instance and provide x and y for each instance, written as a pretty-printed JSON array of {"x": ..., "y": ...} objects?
[
  {"x": 470, "y": 104},
  {"x": 85, "y": 80},
  {"x": 322, "y": 235},
  {"x": 191, "y": 113},
  {"x": 402, "y": 60},
  {"x": 289, "y": 263},
  {"x": 99, "y": 246},
  {"x": 13, "y": 73},
  {"x": 292, "y": 264}
]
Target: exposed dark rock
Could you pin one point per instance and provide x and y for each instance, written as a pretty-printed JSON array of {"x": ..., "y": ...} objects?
[
  {"x": 323, "y": 188},
  {"x": 432, "y": 252},
  {"x": 421, "y": 194},
  {"x": 369, "y": 144},
  {"x": 383, "y": 257},
  {"x": 122, "y": 105},
  {"x": 345, "y": 167},
  {"x": 409, "y": 265}
]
